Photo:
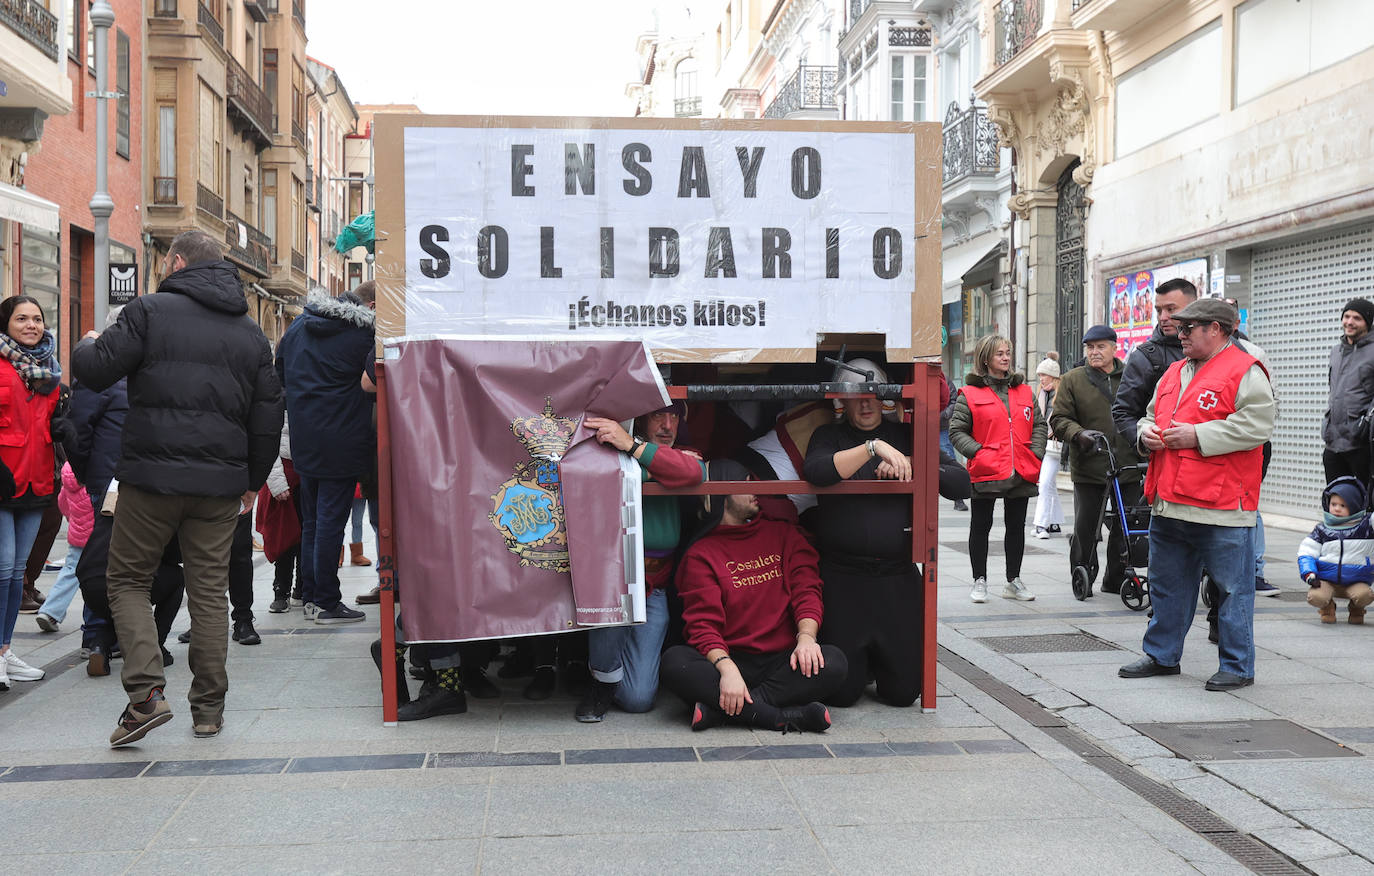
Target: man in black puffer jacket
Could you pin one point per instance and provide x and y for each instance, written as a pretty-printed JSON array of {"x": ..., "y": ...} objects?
[{"x": 204, "y": 422}]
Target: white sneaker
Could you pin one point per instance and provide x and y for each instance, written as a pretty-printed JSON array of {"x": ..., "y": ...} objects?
[
  {"x": 18, "y": 670},
  {"x": 1018, "y": 591},
  {"x": 311, "y": 611},
  {"x": 1041, "y": 533},
  {"x": 4, "y": 677},
  {"x": 980, "y": 590}
]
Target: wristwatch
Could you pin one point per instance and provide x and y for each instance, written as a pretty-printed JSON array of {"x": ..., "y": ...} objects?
[
  {"x": 638, "y": 443},
  {"x": 872, "y": 450}
]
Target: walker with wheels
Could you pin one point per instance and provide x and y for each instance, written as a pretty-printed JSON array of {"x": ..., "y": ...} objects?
[{"x": 1134, "y": 521}]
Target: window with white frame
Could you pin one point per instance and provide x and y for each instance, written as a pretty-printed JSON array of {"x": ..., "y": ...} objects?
[
  {"x": 907, "y": 87},
  {"x": 1170, "y": 92}
]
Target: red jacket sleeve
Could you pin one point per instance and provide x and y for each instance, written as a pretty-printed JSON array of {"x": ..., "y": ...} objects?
[
  {"x": 801, "y": 568},
  {"x": 703, "y": 611},
  {"x": 944, "y": 391},
  {"x": 672, "y": 468}
]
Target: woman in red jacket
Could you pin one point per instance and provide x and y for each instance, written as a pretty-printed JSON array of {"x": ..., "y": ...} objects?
[
  {"x": 1000, "y": 430},
  {"x": 28, "y": 397}
]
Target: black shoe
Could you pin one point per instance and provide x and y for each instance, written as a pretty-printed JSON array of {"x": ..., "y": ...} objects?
[
  {"x": 475, "y": 682},
  {"x": 1213, "y": 631},
  {"x": 596, "y": 703},
  {"x": 185, "y": 638},
  {"x": 541, "y": 686},
  {"x": 959, "y": 505},
  {"x": 1146, "y": 667},
  {"x": 402, "y": 688},
  {"x": 1227, "y": 681},
  {"x": 339, "y": 614},
  {"x": 244, "y": 633},
  {"x": 812, "y": 717},
  {"x": 167, "y": 659},
  {"x": 1114, "y": 587},
  {"x": 437, "y": 702},
  {"x": 577, "y": 679},
  {"x": 705, "y": 716},
  {"x": 1053, "y": 527},
  {"x": 279, "y": 605},
  {"x": 419, "y": 673}
]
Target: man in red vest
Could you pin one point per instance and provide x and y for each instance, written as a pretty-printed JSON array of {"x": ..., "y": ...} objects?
[{"x": 1205, "y": 428}]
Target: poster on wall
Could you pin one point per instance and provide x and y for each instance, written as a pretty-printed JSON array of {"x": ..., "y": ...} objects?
[{"x": 1131, "y": 305}]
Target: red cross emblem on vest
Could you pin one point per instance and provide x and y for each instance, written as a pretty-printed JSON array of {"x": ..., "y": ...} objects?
[
  {"x": 1027, "y": 413},
  {"x": 1207, "y": 400}
]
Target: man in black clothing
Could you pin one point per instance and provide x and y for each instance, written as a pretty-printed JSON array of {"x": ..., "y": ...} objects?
[
  {"x": 872, "y": 593},
  {"x": 205, "y": 418},
  {"x": 1147, "y": 363}
]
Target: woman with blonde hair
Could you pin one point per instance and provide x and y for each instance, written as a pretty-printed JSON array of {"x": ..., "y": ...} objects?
[
  {"x": 997, "y": 426},
  {"x": 1048, "y": 513}
]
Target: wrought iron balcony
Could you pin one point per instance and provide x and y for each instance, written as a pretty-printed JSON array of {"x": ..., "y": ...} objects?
[
  {"x": 297, "y": 134},
  {"x": 248, "y": 246},
  {"x": 164, "y": 190},
  {"x": 297, "y": 12},
  {"x": 256, "y": 11},
  {"x": 970, "y": 144},
  {"x": 206, "y": 19},
  {"x": 248, "y": 101},
  {"x": 810, "y": 88},
  {"x": 297, "y": 260},
  {"x": 209, "y": 201},
  {"x": 684, "y": 107},
  {"x": 1017, "y": 25},
  {"x": 908, "y": 36},
  {"x": 32, "y": 22}
]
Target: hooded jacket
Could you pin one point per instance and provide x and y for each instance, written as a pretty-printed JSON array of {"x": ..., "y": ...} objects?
[
  {"x": 205, "y": 408},
  {"x": 1145, "y": 365},
  {"x": 961, "y": 436},
  {"x": 1341, "y": 555},
  {"x": 99, "y": 421},
  {"x": 1351, "y": 376},
  {"x": 320, "y": 361}
]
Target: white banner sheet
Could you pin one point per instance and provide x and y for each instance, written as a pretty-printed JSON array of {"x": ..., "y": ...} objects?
[{"x": 723, "y": 239}]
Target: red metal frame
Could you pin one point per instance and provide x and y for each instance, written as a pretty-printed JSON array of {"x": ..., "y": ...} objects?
[{"x": 386, "y": 550}]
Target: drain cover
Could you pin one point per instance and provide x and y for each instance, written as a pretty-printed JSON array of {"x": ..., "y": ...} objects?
[
  {"x": 1243, "y": 740},
  {"x": 1052, "y": 642}
]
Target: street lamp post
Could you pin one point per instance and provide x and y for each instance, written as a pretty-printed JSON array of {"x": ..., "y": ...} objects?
[{"x": 102, "y": 205}]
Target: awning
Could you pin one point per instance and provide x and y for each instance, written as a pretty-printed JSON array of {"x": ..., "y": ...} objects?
[
  {"x": 958, "y": 261},
  {"x": 18, "y": 205}
]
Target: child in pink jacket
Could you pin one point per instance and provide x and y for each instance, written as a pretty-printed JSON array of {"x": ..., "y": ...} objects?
[{"x": 75, "y": 504}]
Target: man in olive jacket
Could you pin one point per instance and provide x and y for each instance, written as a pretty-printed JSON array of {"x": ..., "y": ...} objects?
[{"x": 1082, "y": 418}]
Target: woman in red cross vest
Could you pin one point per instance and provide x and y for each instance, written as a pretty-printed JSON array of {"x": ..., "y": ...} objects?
[{"x": 997, "y": 426}]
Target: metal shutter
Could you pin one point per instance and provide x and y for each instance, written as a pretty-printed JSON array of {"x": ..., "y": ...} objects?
[{"x": 1299, "y": 286}]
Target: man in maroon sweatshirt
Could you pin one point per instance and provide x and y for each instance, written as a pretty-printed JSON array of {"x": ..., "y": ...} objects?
[{"x": 752, "y": 610}]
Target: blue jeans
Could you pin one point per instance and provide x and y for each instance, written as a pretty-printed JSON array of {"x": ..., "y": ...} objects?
[
  {"x": 64, "y": 588},
  {"x": 325, "y": 504},
  {"x": 1177, "y": 554},
  {"x": 628, "y": 656},
  {"x": 1259, "y": 545},
  {"x": 945, "y": 444},
  {"x": 18, "y": 529},
  {"x": 357, "y": 518}
]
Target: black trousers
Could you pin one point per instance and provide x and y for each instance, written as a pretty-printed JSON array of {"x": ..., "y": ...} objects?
[
  {"x": 241, "y": 569},
  {"x": 1087, "y": 529},
  {"x": 1354, "y": 463},
  {"x": 873, "y": 615},
  {"x": 43, "y": 541},
  {"x": 770, "y": 677},
  {"x": 1013, "y": 538},
  {"x": 169, "y": 585}
]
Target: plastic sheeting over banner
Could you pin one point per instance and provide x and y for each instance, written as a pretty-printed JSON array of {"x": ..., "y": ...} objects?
[
  {"x": 511, "y": 518},
  {"x": 709, "y": 240}
]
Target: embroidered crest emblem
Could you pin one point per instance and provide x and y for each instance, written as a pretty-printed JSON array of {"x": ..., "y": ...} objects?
[
  {"x": 1028, "y": 414},
  {"x": 528, "y": 507},
  {"x": 1207, "y": 400}
]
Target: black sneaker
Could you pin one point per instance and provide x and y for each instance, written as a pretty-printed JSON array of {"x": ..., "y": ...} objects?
[
  {"x": 339, "y": 614},
  {"x": 812, "y": 717},
  {"x": 185, "y": 638},
  {"x": 244, "y": 633},
  {"x": 167, "y": 659},
  {"x": 437, "y": 701},
  {"x": 402, "y": 688},
  {"x": 596, "y": 703},
  {"x": 959, "y": 505},
  {"x": 541, "y": 686},
  {"x": 705, "y": 716},
  {"x": 280, "y": 605}
]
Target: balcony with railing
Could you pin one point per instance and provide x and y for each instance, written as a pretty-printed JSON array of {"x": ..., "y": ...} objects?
[
  {"x": 810, "y": 90},
  {"x": 908, "y": 36},
  {"x": 298, "y": 12},
  {"x": 248, "y": 102},
  {"x": 297, "y": 134},
  {"x": 206, "y": 19},
  {"x": 164, "y": 190},
  {"x": 209, "y": 201},
  {"x": 970, "y": 144},
  {"x": 31, "y": 21},
  {"x": 1016, "y": 25},
  {"x": 256, "y": 11},
  {"x": 687, "y": 107},
  {"x": 248, "y": 247}
]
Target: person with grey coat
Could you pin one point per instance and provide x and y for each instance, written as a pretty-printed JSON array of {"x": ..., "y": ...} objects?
[{"x": 1351, "y": 377}]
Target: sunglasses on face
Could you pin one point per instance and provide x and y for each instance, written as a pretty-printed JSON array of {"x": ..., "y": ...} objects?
[{"x": 1186, "y": 328}]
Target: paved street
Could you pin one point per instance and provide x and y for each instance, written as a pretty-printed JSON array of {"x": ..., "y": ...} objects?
[{"x": 1031, "y": 763}]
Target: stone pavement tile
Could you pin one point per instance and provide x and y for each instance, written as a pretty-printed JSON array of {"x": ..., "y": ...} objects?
[
  {"x": 1057, "y": 699},
  {"x": 689, "y": 849},
  {"x": 1317, "y": 704},
  {"x": 1349, "y": 734},
  {"x": 943, "y": 734},
  {"x": 45, "y": 821},
  {"x": 1350, "y": 668},
  {"x": 1192, "y": 847},
  {"x": 1134, "y": 749},
  {"x": 1103, "y": 787},
  {"x": 465, "y": 759},
  {"x": 575, "y": 807},
  {"x": 1169, "y": 768},
  {"x": 1184, "y": 700},
  {"x": 1341, "y": 783},
  {"x": 1096, "y": 723},
  {"x": 349, "y": 762},
  {"x": 1030, "y": 628},
  {"x": 69, "y": 864},
  {"x": 1346, "y": 865},
  {"x": 291, "y": 859},
  {"x": 334, "y": 683},
  {"x": 1284, "y": 670},
  {"x": 74, "y": 772},
  {"x": 1300, "y": 844},
  {"x": 1349, "y": 827},
  {"x": 1035, "y": 662},
  {"x": 677, "y": 754},
  {"x": 949, "y": 712},
  {"x": 237, "y": 766},
  {"x": 1304, "y": 647},
  {"x": 978, "y": 845},
  {"x": 215, "y": 816},
  {"x": 1099, "y": 676},
  {"x": 354, "y": 725},
  {"x": 1243, "y": 810},
  {"x": 1229, "y": 868}
]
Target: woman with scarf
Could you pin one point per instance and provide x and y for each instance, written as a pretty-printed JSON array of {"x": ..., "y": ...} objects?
[{"x": 29, "y": 395}]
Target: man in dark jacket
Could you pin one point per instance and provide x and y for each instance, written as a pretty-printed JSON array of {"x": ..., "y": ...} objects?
[
  {"x": 1082, "y": 418},
  {"x": 1351, "y": 376},
  {"x": 205, "y": 417},
  {"x": 320, "y": 361},
  {"x": 1148, "y": 361}
]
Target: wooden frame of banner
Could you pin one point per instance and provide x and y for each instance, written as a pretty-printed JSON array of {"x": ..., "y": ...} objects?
[{"x": 921, "y": 340}]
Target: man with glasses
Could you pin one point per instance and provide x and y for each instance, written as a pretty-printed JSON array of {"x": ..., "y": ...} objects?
[{"x": 1204, "y": 429}]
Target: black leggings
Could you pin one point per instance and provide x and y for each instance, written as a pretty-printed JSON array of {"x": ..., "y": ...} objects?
[
  {"x": 1013, "y": 541},
  {"x": 771, "y": 679},
  {"x": 873, "y": 614}
]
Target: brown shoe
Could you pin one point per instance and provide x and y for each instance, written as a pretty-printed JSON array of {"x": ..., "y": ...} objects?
[
  {"x": 374, "y": 596},
  {"x": 98, "y": 664},
  {"x": 358, "y": 559},
  {"x": 1356, "y": 614},
  {"x": 31, "y": 602},
  {"x": 1328, "y": 612},
  {"x": 206, "y": 731},
  {"x": 138, "y": 719}
]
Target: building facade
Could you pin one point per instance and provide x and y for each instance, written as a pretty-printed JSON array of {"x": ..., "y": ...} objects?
[{"x": 332, "y": 118}]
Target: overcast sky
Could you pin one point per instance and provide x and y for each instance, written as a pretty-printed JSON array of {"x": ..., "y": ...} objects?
[{"x": 514, "y": 57}]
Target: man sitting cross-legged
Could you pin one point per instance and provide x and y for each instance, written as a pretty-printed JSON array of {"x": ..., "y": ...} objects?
[{"x": 751, "y": 597}]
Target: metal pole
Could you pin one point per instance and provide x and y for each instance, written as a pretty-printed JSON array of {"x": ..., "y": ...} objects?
[{"x": 102, "y": 205}]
